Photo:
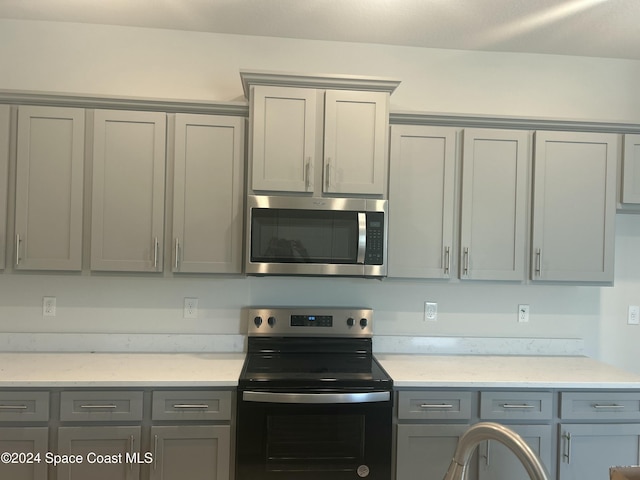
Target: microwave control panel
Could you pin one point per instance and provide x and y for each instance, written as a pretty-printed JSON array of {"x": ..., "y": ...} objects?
[{"x": 374, "y": 253}]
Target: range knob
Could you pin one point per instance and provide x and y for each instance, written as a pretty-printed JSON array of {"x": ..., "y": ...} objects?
[
  {"x": 257, "y": 321},
  {"x": 271, "y": 321},
  {"x": 350, "y": 321},
  {"x": 363, "y": 322}
]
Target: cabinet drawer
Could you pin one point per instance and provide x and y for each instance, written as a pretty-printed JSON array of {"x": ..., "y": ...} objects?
[
  {"x": 24, "y": 406},
  {"x": 191, "y": 405},
  {"x": 601, "y": 406},
  {"x": 516, "y": 405},
  {"x": 434, "y": 405},
  {"x": 100, "y": 406}
]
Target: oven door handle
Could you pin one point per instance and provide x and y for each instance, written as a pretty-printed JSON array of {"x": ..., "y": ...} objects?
[{"x": 270, "y": 397}]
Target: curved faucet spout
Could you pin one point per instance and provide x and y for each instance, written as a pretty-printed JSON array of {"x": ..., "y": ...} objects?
[{"x": 494, "y": 431}]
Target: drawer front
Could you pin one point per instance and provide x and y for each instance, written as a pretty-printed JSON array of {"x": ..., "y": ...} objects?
[
  {"x": 600, "y": 406},
  {"x": 191, "y": 405},
  {"x": 520, "y": 406},
  {"x": 24, "y": 406},
  {"x": 100, "y": 406},
  {"x": 416, "y": 405}
]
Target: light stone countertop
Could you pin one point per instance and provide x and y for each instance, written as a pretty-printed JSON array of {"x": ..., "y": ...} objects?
[
  {"x": 120, "y": 369},
  {"x": 495, "y": 371}
]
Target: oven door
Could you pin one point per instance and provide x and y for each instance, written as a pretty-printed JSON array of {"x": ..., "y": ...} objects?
[{"x": 314, "y": 436}]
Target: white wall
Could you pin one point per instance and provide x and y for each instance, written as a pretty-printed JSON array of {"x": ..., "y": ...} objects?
[{"x": 118, "y": 61}]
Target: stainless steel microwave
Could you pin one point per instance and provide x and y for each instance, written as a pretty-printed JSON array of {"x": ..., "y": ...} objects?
[{"x": 316, "y": 236}]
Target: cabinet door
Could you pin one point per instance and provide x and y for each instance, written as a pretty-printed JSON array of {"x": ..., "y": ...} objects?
[
  {"x": 128, "y": 191},
  {"x": 283, "y": 138},
  {"x": 118, "y": 449},
  {"x": 197, "y": 452},
  {"x": 425, "y": 451},
  {"x": 497, "y": 462},
  {"x": 421, "y": 201},
  {"x": 49, "y": 188},
  {"x": 26, "y": 441},
  {"x": 588, "y": 451},
  {"x": 494, "y": 204},
  {"x": 355, "y": 142},
  {"x": 631, "y": 170},
  {"x": 208, "y": 194},
  {"x": 574, "y": 206},
  {"x": 4, "y": 179}
]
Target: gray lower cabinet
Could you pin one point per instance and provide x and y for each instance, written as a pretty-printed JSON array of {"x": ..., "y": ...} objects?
[
  {"x": 24, "y": 434},
  {"x": 5, "y": 113},
  {"x": 49, "y": 188}
]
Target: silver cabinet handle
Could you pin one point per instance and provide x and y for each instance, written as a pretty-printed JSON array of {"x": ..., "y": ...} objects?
[
  {"x": 155, "y": 451},
  {"x": 517, "y": 406},
  {"x": 567, "y": 453},
  {"x": 538, "y": 261},
  {"x": 17, "y": 249},
  {"x": 465, "y": 262},
  {"x": 447, "y": 260},
  {"x": 13, "y": 407},
  {"x": 302, "y": 398},
  {"x": 177, "y": 253},
  {"x": 328, "y": 174},
  {"x": 487, "y": 458},
  {"x": 202, "y": 406},
  {"x": 307, "y": 174},
  {"x": 155, "y": 253},
  {"x": 612, "y": 406},
  {"x": 443, "y": 406},
  {"x": 110, "y": 406},
  {"x": 131, "y": 442}
]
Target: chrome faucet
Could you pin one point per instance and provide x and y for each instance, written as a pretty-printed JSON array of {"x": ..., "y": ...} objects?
[{"x": 493, "y": 431}]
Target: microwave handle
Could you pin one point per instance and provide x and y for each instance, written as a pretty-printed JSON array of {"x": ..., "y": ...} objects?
[{"x": 362, "y": 236}]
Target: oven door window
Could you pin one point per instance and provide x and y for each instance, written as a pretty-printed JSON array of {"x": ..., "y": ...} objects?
[
  {"x": 304, "y": 236},
  {"x": 314, "y": 443}
]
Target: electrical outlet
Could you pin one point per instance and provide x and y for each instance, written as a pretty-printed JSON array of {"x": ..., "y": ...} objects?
[
  {"x": 48, "y": 306},
  {"x": 430, "y": 311},
  {"x": 523, "y": 313},
  {"x": 633, "y": 317},
  {"x": 190, "y": 308}
]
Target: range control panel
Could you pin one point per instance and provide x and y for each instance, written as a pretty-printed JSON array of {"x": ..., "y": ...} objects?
[{"x": 310, "y": 321}]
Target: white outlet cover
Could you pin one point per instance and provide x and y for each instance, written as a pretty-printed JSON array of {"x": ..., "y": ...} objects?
[{"x": 190, "y": 307}]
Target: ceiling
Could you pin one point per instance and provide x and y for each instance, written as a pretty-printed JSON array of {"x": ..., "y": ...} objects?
[{"x": 596, "y": 28}]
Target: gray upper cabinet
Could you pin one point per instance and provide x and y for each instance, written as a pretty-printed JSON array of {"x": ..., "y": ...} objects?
[
  {"x": 355, "y": 142},
  {"x": 630, "y": 191},
  {"x": 4, "y": 178},
  {"x": 283, "y": 142},
  {"x": 421, "y": 201},
  {"x": 318, "y": 141},
  {"x": 128, "y": 191},
  {"x": 493, "y": 224},
  {"x": 49, "y": 188},
  {"x": 208, "y": 194},
  {"x": 574, "y": 206}
]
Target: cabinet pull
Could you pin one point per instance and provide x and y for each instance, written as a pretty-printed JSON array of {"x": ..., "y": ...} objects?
[
  {"x": 487, "y": 458},
  {"x": 517, "y": 405},
  {"x": 155, "y": 451},
  {"x": 447, "y": 260},
  {"x": 567, "y": 452},
  {"x": 191, "y": 405},
  {"x": 328, "y": 174},
  {"x": 608, "y": 407},
  {"x": 465, "y": 262},
  {"x": 177, "y": 253},
  {"x": 13, "y": 407},
  {"x": 307, "y": 174},
  {"x": 106, "y": 406},
  {"x": 155, "y": 253},
  {"x": 444, "y": 406},
  {"x": 538, "y": 261},
  {"x": 17, "y": 249},
  {"x": 131, "y": 442}
]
